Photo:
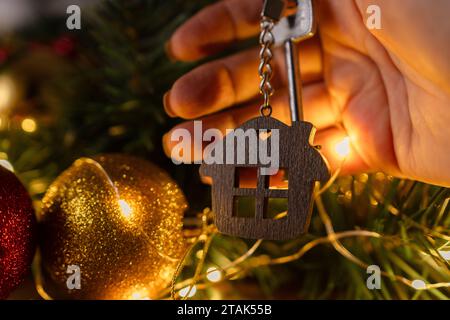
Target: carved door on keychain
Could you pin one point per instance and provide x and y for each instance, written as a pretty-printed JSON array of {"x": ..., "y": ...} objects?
[{"x": 297, "y": 157}]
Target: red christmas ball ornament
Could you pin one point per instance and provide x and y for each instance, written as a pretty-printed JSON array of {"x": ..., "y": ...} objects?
[
  {"x": 4, "y": 54},
  {"x": 17, "y": 237},
  {"x": 64, "y": 46}
]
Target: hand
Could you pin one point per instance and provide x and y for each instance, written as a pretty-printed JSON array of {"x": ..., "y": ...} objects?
[{"x": 388, "y": 89}]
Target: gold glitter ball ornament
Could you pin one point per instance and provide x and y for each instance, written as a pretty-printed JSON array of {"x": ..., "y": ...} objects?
[{"x": 111, "y": 228}]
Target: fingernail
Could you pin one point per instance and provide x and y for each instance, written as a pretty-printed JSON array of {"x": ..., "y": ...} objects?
[
  {"x": 166, "y": 103},
  {"x": 206, "y": 180},
  {"x": 165, "y": 143},
  {"x": 169, "y": 51}
]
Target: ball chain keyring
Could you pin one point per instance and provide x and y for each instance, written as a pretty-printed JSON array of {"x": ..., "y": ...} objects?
[{"x": 266, "y": 40}]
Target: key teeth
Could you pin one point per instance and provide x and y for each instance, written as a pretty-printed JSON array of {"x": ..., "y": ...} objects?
[{"x": 273, "y": 9}]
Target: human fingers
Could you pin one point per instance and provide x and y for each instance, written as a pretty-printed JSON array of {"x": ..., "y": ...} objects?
[
  {"x": 222, "y": 83},
  {"x": 214, "y": 28},
  {"x": 318, "y": 110}
]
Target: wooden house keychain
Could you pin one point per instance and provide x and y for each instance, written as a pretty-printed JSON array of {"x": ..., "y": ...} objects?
[{"x": 243, "y": 149}]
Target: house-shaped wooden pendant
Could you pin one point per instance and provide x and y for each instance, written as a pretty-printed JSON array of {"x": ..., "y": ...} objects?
[{"x": 302, "y": 165}]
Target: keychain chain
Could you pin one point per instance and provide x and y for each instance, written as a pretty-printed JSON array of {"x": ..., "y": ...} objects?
[{"x": 266, "y": 40}]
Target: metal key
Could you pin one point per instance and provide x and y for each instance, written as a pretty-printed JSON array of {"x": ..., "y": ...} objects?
[{"x": 290, "y": 30}]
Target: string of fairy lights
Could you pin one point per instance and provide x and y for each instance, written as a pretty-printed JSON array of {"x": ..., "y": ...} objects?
[{"x": 188, "y": 288}]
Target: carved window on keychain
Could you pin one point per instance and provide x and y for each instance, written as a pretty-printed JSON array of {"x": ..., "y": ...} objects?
[
  {"x": 249, "y": 182},
  {"x": 246, "y": 199}
]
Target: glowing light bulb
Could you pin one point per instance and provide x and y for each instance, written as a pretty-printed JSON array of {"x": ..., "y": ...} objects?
[
  {"x": 342, "y": 148},
  {"x": 419, "y": 284},
  {"x": 125, "y": 208},
  {"x": 445, "y": 254},
  {"x": 7, "y": 90},
  {"x": 188, "y": 292},
  {"x": 29, "y": 125},
  {"x": 7, "y": 165},
  {"x": 214, "y": 274},
  {"x": 140, "y": 295},
  {"x": 199, "y": 254},
  {"x": 363, "y": 177}
]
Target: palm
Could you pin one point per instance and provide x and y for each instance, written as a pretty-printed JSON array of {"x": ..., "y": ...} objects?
[
  {"x": 381, "y": 100},
  {"x": 387, "y": 89}
]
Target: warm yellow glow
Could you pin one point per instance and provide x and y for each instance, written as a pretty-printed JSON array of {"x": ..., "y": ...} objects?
[
  {"x": 188, "y": 292},
  {"x": 348, "y": 195},
  {"x": 116, "y": 131},
  {"x": 29, "y": 125},
  {"x": 380, "y": 176},
  {"x": 363, "y": 177},
  {"x": 7, "y": 165},
  {"x": 445, "y": 254},
  {"x": 125, "y": 208},
  {"x": 199, "y": 254},
  {"x": 342, "y": 148},
  {"x": 264, "y": 135},
  {"x": 419, "y": 284},
  {"x": 280, "y": 215},
  {"x": 140, "y": 295},
  {"x": 214, "y": 274},
  {"x": 38, "y": 186},
  {"x": 7, "y": 91}
]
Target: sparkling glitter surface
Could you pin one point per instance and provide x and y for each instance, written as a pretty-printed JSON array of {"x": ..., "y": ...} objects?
[
  {"x": 119, "y": 219},
  {"x": 16, "y": 232}
]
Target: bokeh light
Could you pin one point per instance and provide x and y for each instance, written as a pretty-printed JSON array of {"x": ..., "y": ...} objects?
[
  {"x": 188, "y": 292},
  {"x": 342, "y": 148},
  {"x": 214, "y": 274},
  {"x": 29, "y": 125},
  {"x": 125, "y": 208}
]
